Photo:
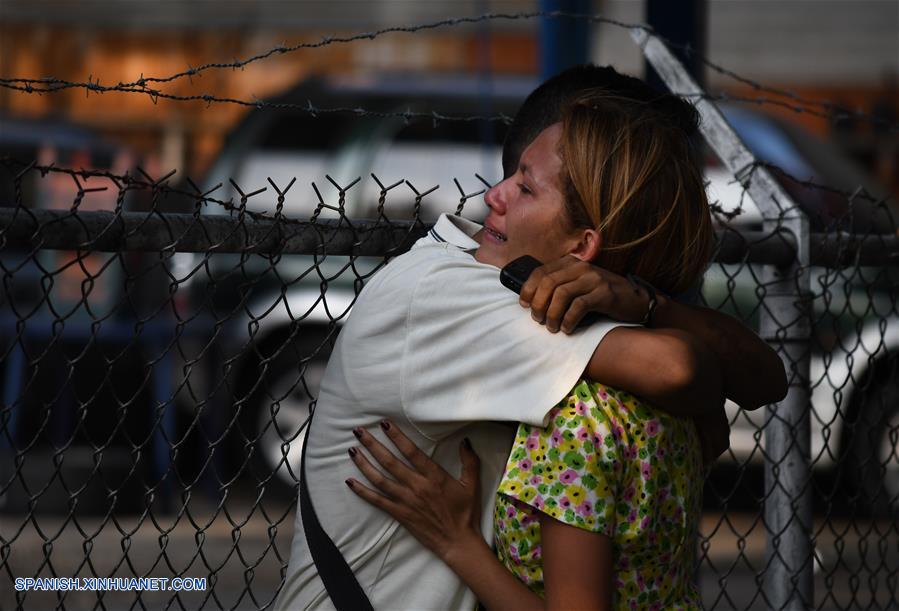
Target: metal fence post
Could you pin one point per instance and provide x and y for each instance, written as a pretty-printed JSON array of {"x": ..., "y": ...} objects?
[
  {"x": 785, "y": 324},
  {"x": 788, "y": 490}
]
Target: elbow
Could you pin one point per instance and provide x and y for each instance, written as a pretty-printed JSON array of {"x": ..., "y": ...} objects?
[
  {"x": 779, "y": 385},
  {"x": 770, "y": 384},
  {"x": 775, "y": 390}
]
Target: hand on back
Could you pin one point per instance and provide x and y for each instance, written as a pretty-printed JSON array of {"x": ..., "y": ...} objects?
[{"x": 439, "y": 510}]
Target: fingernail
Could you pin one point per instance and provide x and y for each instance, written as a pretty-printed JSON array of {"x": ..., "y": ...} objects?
[
  {"x": 358, "y": 432},
  {"x": 467, "y": 443},
  {"x": 352, "y": 452},
  {"x": 523, "y": 303},
  {"x": 385, "y": 425},
  {"x": 348, "y": 482}
]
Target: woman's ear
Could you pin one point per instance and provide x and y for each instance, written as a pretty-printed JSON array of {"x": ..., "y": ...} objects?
[{"x": 588, "y": 246}]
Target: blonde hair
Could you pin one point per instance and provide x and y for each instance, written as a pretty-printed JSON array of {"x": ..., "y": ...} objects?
[{"x": 630, "y": 172}]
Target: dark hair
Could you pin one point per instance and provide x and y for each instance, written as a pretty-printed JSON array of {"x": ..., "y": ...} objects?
[{"x": 544, "y": 106}]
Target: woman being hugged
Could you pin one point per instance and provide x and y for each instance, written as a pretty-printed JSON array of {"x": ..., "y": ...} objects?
[{"x": 600, "y": 508}]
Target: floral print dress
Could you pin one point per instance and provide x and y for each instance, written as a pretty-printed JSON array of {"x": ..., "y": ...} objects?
[{"x": 609, "y": 464}]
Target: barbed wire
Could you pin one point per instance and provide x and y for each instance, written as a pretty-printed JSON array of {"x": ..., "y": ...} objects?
[
  {"x": 833, "y": 117},
  {"x": 308, "y": 107},
  {"x": 240, "y": 212},
  {"x": 796, "y": 103},
  {"x": 860, "y": 193},
  {"x": 245, "y": 231},
  {"x": 160, "y": 184},
  {"x": 128, "y": 181},
  {"x": 332, "y": 40},
  {"x": 832, "y": 111},
  {"x": 406, "y": 115},
  {"x": 230, "y": 364}
]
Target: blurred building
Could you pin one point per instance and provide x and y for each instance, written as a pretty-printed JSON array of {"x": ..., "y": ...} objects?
[{"x": 838, "y": 50}]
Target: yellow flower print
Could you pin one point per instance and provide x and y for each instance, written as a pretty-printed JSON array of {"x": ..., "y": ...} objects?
[
  {"x": 586, "y": 470},
  {"x": 669, "y": 507},
  {"x": 527, "y": 495},
  {"x": 631, "y": 589},
  {"x": 577, "y": 494}
]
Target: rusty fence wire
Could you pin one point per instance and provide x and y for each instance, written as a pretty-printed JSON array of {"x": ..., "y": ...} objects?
[{"x": 162, "y": 342}]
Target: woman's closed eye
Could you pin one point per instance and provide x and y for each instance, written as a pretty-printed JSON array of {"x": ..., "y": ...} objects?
[{"x": 526, "y": 190}]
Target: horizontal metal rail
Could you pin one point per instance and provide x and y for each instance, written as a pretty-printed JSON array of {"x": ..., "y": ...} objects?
[{"x": 100, "y": 231}]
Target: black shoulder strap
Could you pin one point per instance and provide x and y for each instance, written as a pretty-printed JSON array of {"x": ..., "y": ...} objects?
[{"x": 335, "y": 573}]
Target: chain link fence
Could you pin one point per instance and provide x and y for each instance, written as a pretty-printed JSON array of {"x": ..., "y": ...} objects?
[{"x": 162, "y": 344}]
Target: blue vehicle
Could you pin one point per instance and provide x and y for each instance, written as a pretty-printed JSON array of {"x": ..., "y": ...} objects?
[{"x": 80, "y": 380}]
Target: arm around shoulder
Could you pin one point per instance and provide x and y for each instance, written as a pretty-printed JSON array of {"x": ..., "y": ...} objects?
[
  {"x": 752, "y": 371},
  {"x": 666, "y": 367}
]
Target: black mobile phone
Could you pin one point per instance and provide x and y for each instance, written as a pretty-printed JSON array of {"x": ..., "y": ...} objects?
[{"x": 515, "y": 274}]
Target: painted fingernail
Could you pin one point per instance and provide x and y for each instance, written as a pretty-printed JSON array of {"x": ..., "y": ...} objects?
[
  {"x": 358, "y": 432},
  {"x": 353, "y": 452},
  {"x": 467, "y": 443},
  {"x": 385, "y": 424},
  {"x": 348, "y": 482}
]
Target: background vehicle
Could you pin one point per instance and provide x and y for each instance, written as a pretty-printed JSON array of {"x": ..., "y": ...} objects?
[
  {"x": 855, "y": 325},
  {"x": 71, "y": 357},
  {"x": 852, "y": 390},
  {"x": 281, "y": 314}
]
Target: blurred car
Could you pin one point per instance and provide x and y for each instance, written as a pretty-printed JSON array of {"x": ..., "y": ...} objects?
[
  {"x": 854, "y": 368},
  {"x": 281, "y": 314},
  {"x": 285, "y": 320},
  {"x": 72, "y": 357}
]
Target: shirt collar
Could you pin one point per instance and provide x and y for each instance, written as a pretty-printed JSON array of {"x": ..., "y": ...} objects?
[{"x": 455, "y": 230}]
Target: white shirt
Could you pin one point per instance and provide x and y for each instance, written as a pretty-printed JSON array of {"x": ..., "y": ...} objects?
[{"x": 436, "y": 344}]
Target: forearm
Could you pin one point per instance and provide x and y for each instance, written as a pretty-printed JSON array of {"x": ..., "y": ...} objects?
[
  {"x": 752, "y": 373},
  {"x": 560, "y": 293},
  {"x": 701, "y": 390},
  {"x": 668, "y": 368},
  {"x": 477, "y": 565}
]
